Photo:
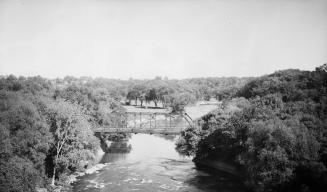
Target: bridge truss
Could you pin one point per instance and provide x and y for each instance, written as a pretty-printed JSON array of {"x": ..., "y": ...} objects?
[{"x": 152, "y": 123}]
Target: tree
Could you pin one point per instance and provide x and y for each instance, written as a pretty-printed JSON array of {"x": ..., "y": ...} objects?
[
  {"x": 132, "y": 95},
  {"x": 178, "y": 101},
  {"x": 136, "y": 92},
  {"x": 152, "y": 95},
  {"x": 277, "y": 135},
  {"x": 73, "y": 138},
  {"x": 140, "y": 92},
  {"x": 25, "y": 140},
  {"x": 142, "y": 98},
  {"x": 163, "y": 93},
  {"x": 322, "y": 68}
]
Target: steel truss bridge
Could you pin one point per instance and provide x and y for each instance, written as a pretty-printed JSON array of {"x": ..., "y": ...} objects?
[{"x": 151, "y": 123}]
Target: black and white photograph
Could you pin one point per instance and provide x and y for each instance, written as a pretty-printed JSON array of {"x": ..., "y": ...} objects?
[{"x": 163, "y": 95}]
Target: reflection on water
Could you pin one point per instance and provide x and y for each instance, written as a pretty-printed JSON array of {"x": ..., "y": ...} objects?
[
  {"x": 116, "y": 151},
  {"x": 119, "y": 147},
  {"x": 150, "y": 163}
]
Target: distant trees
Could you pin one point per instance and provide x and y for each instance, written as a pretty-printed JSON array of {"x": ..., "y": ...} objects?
[
  {"x": 178, "y": 101},
  {"x": 132, "y": 95},
  {"x": 137, "y": 92},
  {"x": 158, "y": 90},
  {"x": 141, "y": 93},
  {"x": 227, "y": 93},
  {"x": 152, "y": 95},
  {"x": 322, "y": 68}
]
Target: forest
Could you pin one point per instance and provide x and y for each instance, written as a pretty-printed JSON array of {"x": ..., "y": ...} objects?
[
  {"x": 274, "y": 129},
  {"x": 46, "y": 124}
]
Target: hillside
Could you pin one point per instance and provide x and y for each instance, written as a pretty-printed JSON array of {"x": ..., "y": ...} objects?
[{"x": 274, "y": 130}]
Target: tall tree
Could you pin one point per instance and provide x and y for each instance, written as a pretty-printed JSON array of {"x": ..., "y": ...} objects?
[{"x": 73, "y": 138}]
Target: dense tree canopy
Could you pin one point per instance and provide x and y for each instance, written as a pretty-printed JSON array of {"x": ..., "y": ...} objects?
[
  {"x": 25, "y": 141},
  {"x": 46, "y": 128},
  {"x": 276, "y": 131}
]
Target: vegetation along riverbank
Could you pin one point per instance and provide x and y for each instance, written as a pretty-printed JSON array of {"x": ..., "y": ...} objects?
[
  {"x": 273, "y": 129},
  {"x": 270, "y": 129}
]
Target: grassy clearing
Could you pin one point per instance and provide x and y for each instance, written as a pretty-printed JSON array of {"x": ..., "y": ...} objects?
[{"x": 195, "y": 111}]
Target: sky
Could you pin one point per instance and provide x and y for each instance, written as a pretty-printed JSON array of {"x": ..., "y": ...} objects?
[{"x": 168, "y": 38}]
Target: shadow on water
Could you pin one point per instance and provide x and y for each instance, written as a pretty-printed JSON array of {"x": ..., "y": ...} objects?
[
  {"x": 200, "y": 178},
  {"x": 209, "y": 178}
]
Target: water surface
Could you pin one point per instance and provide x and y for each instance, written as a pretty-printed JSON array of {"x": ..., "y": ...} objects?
[{"x": 150, "y": 163}]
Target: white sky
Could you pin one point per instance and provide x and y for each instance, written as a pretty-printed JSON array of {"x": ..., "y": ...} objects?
[{"x": 173, "y": 38}]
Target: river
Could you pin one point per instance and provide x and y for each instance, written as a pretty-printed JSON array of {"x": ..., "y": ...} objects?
[{"x": 150, "y": 163}]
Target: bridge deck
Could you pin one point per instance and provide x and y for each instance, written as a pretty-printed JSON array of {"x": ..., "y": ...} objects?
[
  {"x": 174, "y": 131},
  {"x": 149, "y": 113}
]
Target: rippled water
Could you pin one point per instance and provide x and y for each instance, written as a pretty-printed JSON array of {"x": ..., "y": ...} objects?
[{"x": 150, "y": 163}]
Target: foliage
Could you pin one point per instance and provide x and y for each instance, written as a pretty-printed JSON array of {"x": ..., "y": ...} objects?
[
  {"x": 273, "y": 127},
  {"x": 73, "y": 138},
  {"x": 36, "y": 115},
  {"x": 25, "y": 141},
  {"x": 187, "y": 142},
  {"x": 96, "y": 104},
  {"x": 178, "y": 101},
  {"x": 277, "y": 135},
  {"x": 158, "y": 90}
]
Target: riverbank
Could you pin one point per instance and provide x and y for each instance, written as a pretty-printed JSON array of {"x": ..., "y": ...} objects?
[{"x": 93, "y": 167}]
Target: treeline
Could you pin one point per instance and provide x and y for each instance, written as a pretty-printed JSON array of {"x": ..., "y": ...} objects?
[
  {"x": 274, "y": 130},
  {"x": 46, "y": 130},
  {"x": 169, "y": 93},
  {"x": 178, "y": 93},
  {"x": 199, "y": 88}
]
